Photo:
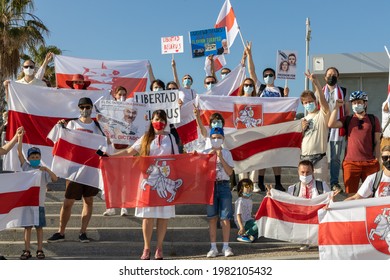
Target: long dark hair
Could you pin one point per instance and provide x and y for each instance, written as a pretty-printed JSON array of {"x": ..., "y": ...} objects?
[{"x": 150, "y": 134}]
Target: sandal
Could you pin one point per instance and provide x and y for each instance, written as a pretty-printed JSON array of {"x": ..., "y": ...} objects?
[
  {"x": 26, "y": 255},
  {"x": 145, "y": 254},
  {"x": 40, "y": 255}
]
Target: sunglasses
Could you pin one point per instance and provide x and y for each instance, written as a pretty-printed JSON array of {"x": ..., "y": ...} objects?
[
  {"x": 225, "y": 73},
  {"x": 85, "y": 107},
  {"x": 385, "y": 158},
  {"x": 208, "y": 83},
  {"x": 248, "y": 85},
  {"x": 28, "y": 66},
  {"x": 360, "y": 124},
  {"x": 268, "y": 75}
]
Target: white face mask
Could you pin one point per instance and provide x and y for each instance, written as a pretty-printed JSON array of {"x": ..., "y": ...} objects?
[
  {"x": 216, "y": 143},
  {"x": 358, "y": 108},
  {"x": 268, "y": 80},
  {"x": 210, "y": 86},
  {"x": 122, "y": 98},
  {"x": 305, "y": 179},
  {"x": 157, "y": 89},
  {"x": 248, "y": 90},
  {"x": 28, "y": 71}
]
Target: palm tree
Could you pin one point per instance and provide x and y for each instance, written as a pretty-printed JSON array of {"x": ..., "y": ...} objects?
[
  {"x": 20, "y": 30},
  {"x": 38, "y": 55}
]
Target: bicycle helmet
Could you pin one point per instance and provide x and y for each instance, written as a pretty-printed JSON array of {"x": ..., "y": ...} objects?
[{"x": 358, "y": 95}]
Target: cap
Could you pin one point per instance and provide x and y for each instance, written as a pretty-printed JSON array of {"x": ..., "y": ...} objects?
[
  {"x": 33, "y": 150},
  {"x": 85, "y": 100},
  {"x": 217, "y": 130}
]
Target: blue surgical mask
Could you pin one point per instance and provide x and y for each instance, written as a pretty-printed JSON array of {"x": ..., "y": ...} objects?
[
  {"x": 358, "y": 108},
  {"x": 223, "y": 76},
  {"x": 158, "y": 89},
  {"x": 187, "y": 82},
  {"x": 248, "y": 89},
  {"x": 35, "y": 162},
  {"x": 310, "y": 107},
  {"x": 268, "y": 80},
  {"x": 216, "y": 123},
  {"x": 210, "y": 86},
  {"x": 247, "y": 194}
]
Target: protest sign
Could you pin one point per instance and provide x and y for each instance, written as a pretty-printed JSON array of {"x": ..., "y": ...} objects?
[
  {"x": 172, "y": 44},
  {"x": 209, "y": 41},
  {"x": 286, "y": 63},
  {"x": 122, "y": 122},
  {"x": 167, "y": 100}
]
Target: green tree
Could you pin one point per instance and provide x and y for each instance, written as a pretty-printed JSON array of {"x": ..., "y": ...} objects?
[{"x": 20, "y": 30}]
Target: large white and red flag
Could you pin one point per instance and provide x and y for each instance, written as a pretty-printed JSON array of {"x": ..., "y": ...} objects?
[
  {"x": 75, "y": 155},
  {"x": 285, "y": 217},
  {"x": 103, "y": 74},
  {"x": 158, "y": 181},
  {"x": 38, "y": 109},
  {"x": 265, "y": 146},
  {"x": 355, "y": 230},
  {"x": 19, "y": 199},
  {"x": 227, "y": 18},
  {"x": 230, "y": 85}
]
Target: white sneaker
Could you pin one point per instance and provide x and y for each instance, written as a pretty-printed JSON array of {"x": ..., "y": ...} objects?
[
  {"x": 227, "y": 252},
  {"x": 212, "y": 253},
  {"x": 109, "y": 212},
  {"x": 256, "y": 188},
  {"x": 124, "y": 212}
]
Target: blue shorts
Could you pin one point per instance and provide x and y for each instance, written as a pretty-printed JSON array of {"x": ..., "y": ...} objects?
[
  {"x": 222, "y": 205},
  {"x": 42, "y": 217}
]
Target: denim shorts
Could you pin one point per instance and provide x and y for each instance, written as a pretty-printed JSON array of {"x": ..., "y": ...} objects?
[
  {"x": 222, "y": 205},
  {"x": 42, "y": 218}
]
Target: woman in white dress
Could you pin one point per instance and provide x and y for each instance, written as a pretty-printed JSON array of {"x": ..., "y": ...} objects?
[{"x": 154, "y": 142}]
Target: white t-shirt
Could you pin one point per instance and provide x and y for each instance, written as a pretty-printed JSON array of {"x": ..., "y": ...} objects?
[
  {"x": 186, "y": 94},
  {"x": 315, "y": 137},
  {"x": 86, "y": 127},
  {"x": 35, "y": 82},
  {"x": 243, "y": 206},
  {"x": 312, "y": 189},
  {"x": 383, "y": 189},
  {"x": 161, "y": 145},
  {"x": 227, "y": 156}
]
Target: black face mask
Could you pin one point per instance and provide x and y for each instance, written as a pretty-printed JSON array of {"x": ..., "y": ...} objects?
[
  {"x": 332, "y": 80},
  {"x": 386, "y": 164}
]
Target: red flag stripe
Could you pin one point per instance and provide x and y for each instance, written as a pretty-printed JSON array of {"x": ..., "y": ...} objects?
[
  {"x": 227, "y": 21},
  {"x": 11, "y": 200},
  {"x": 334, "y": 233},
  {"x": 75, "y": 153},
  {"x": 287, "y": 140},
  {"x": 288, "y": 212},
  {"x": 188, "y": 132}
]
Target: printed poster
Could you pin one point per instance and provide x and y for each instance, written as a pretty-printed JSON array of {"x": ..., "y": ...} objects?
[
  {"x": 286, "y": 64},
  {"x": 209, "y": 41}
]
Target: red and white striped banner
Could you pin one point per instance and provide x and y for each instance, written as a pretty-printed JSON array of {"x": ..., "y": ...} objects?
[
  {"x": 230, "y": 85},
  {"x": 289, "y": 218},
  {"x": 103, "y": 74},
  {"x": 227, "y": 18},
  {"x": 158, "y": 181},
  {"x": 19, "y": 199},
  {"x": 38, "y": 109},
  {"x": 75, "y": 155},
  {"x": 265, "y": 146},
  {"x": 355, "y": 230}
]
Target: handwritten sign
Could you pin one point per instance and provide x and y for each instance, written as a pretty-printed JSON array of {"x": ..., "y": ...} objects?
[{"x": 173, "y": 44}]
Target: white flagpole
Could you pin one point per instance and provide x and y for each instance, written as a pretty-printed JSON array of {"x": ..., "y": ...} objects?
[
  {"x": 242, "y": 39},
  {"x": 388, "y": 54},
  {"x": 308, "y": 32}
]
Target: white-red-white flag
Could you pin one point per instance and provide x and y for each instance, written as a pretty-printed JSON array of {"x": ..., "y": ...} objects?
[
  {"x": 227, "y": 18},
  {"x": 230, "y": 85},
  {"x": 265, "y": 146},
  {"x": 355, "y": 230},
  {"x": 103, "y": 74},
  {"x": 219, "y": 63},
  {"x": 19, "y": 199},
  {"x": 75, "y": 155},
  {"x": 289, "y": 218},
  {"x": 38, "y": 109}
]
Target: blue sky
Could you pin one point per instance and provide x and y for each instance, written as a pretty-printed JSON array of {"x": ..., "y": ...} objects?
[{"x": 129, "y": 29}]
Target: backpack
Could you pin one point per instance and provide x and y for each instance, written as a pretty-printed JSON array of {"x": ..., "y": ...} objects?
[
  {"x": 378, "y": 177},
  {"x": 372, "y": 120},
  {"x": 319, "y": 187}
]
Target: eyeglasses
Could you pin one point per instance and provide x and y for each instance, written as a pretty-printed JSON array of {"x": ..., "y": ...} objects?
[
  {"x": 268, "y": 75},
  {"x": 208, "y": 83},
  {"x": 85, "y": 107},
  {"x": 360, "y": 124},
  {"x": 385, "y": 158},
  {"x": 28, "y": 66},
  {"x": 248, "y": 85}
]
